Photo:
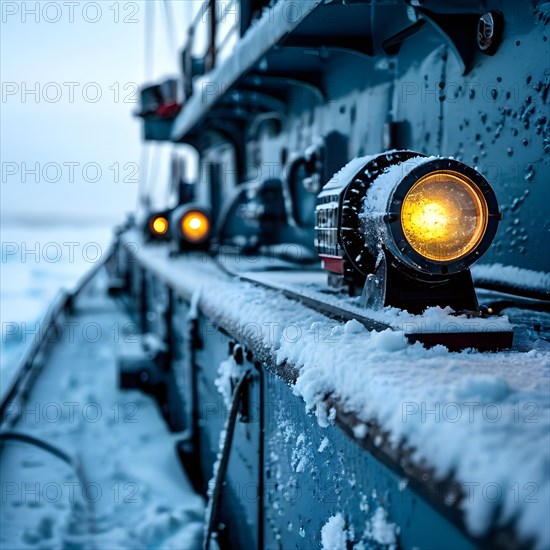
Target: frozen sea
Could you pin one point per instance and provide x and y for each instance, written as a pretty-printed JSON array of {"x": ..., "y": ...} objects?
[{"x": 37, "y": 262}]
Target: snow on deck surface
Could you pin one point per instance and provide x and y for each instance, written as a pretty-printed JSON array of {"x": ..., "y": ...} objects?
[
  {"x": 313, "y": 284},
  {"x": 138, "y": 494},
  {"x": 513, "y": 276},
  {"x": 482, "y": 417}
]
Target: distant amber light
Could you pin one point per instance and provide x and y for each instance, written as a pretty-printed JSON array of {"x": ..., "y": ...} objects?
[
  {"x": 444, "y": 216},
  {"x": 195, "y": 226},
  {"x": 160, "y": 225}
]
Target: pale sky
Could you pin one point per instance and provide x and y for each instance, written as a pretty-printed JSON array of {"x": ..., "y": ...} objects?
[{"x": 69, "y": 84}]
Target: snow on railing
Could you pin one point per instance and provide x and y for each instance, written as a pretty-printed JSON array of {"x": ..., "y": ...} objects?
[{"x": 512, "y": 279}]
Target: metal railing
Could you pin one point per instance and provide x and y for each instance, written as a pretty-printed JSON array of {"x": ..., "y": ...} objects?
[
  {"x": 214, "y": 14},
  {"x": 31, "y": 362}
]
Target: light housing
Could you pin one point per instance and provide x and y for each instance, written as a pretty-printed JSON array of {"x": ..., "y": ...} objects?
[
  {"x": 459, "y": 212},
  {"x": 407, "y": 225},
  {"x": 157, "y": 226},
  {"x": 195, "y": 226},
  {"x": 192, "y": 227},
  {"x": 443, "y": 216}
]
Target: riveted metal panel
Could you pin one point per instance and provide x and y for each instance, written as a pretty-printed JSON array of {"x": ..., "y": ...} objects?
[
  {"x": 313, "y": 473},
  {"x": 497, "y": 118},
  {"x": 240, "y": 501}
]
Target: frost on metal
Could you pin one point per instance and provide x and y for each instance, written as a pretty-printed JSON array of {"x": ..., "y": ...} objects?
[
  {"x": 381, "y": 530},
  {"x": 378, "y": 529},
  {"x": 346, "y": 173},
  {"x": 228, "y": 371},
  {"x": 334, "y": 534},
  {"x": 509, "y": 275},
  {"x": 430, "y": 400},
  {"x": 375, "y": 203}
]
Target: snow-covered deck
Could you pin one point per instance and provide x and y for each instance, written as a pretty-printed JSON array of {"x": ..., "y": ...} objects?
[
  {"x": 481, "y": 421},
  {"x": 134, "y": 493}
]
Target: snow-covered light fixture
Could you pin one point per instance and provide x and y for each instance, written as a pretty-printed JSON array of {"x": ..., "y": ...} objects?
[
  {"x": 157, "y": 226},
  {"x": 409, "y": 226},
  {"x": 192, "y": 227}
]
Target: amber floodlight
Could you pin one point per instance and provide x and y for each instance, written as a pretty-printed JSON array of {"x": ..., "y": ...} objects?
[
  {"x": 157, "y": 227},
  {"x": 409, "y": 227},
  {"x": 444, "y": 216},
  {"x": 192, "y": 227},
  {"x": 160, "y": 225},
  {"x": 195, "y": 226}
]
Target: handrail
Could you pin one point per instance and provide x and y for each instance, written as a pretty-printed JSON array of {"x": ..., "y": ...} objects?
[
  {"x": 24, "y": 377},
  {"x": 213, "y": 31},
  {"x": 240, "y": 60},
  {"x": 227, "y": 7},
  {"x": 199, "y": 15},
  {"x": 216, "y": 17},
  {"x": 228, "y": 35},
  {"x": 27, "y": 360}
]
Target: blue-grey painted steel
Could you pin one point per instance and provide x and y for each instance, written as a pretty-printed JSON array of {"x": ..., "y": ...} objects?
[
  {"x": 431, "y": 96},
  {"x": 327, "y": 73},
  {"x": 313, "y": 473},
  {"x": 286, "y": 476}
]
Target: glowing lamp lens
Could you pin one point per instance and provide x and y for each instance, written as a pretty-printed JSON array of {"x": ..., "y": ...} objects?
[
  {"x": 195, "y": 226},
  {"x": 444, "y": 216},
  {"x": 160, "y": 225}
]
